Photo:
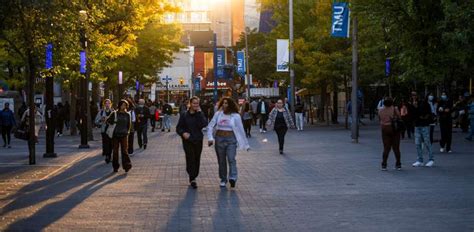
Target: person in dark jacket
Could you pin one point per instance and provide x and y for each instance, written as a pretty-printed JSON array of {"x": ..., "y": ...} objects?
[
  {"x": 142, "y": 113},
  {"x": 445, "y": 108},
  {"x": 131, "y": 135},
  {"x": 123, "y": 124},
  {"x": 280, "y": 119},
  {"x": 167, "y": 111},
  {"x": 263, "y": 110},
  {"x": 7, "y": 122},
  {"x": 60, "y": 119},
  {"x": 423, "y": 119},
  {"x": 190, "y": 127}
]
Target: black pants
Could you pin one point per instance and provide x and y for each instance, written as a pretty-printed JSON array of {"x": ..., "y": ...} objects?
[
  {"x": 142, "y": 135},
  {"x": 432, "y": 127},
  {"x": 122, "y": 144},
  {"x": 263, "y": 121},
  {"x": 193, "y": 157},
  {"x": 391, "y": 140},
  {"x": 247, "y": 126},
  {"x": 6, "y": 134},
  {"x": 409, "y": 128},
  {"x": 107, "y": 146},
  {"x": 130, "y": 141},
  {"x": 152, "y": 123},
  {"x": 60, "y": 126},
  {"x": 281, "y": 132},
  {"x": 446, "y": 134},
  {"x": 254, "y": 117}
]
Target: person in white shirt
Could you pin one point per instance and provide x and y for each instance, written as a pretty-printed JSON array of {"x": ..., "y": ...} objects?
[{"x": 229, "y": 136}]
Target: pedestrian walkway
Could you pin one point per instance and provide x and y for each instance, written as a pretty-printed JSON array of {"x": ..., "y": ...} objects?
[{"x": 323, "y": 182}]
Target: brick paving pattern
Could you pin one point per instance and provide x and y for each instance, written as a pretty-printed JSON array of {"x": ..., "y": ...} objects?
[{"x": 323, "y": 182}]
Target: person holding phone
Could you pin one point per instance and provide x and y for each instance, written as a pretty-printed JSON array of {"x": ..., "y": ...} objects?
[{"x": 190, "y": 125}]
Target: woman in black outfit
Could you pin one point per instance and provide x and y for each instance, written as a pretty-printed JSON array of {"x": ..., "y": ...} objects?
[
  {"x": 246, "y": 114},
  {"x": 190, "y": 127},
  {"x": 280, "y": 119},
  {"x": 123, "y": 122}
]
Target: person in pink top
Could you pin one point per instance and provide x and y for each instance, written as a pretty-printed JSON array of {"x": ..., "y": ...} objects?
[{"x": 390, "y": 137}]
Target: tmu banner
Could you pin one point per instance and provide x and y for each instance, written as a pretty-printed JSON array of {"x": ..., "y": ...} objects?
[
  {"x": 241, "y": 69},
  {"x": 340, "y": 20},
  {"x": 220, "y": 53}
]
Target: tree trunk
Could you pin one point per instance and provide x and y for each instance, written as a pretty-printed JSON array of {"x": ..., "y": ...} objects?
[
  {"x": 72, "y": 110},
  {"x": 334, "y": 102},
  {"x": 322, "y": 111},
  {"x": 346, "y": 93}
]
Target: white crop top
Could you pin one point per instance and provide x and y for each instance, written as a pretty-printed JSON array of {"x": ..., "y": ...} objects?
[{"x": 224, "y": 122}]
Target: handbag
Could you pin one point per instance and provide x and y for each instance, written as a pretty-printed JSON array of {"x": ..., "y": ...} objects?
[
  {"x": 397, "y": 123},
  {"x": 22, "y": 132},
  {"x": 110, "y": 128}
]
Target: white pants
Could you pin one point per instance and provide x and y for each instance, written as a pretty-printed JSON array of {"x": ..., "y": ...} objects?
[{"x": 299, "y": 121}]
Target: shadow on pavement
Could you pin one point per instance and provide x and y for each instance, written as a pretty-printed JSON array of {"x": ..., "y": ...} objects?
[
  {"x": 184, "y": 212},
  {"x": 228, "y": 215},
  {"x": 90, "y": 173}
]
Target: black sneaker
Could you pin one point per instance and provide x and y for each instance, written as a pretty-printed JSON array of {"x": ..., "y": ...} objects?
[
  {"x": 169, "y": 130},
  {"x": 281, "y": 152},
  {"x": 384, "y": 168},
  {"x": 232, "y": 183},
  {"x": 194, "y": 184},
  {"x": 163, "y": 130},
  {"x": 398, "y": 167},
  {"x": 144, "y": 146}
]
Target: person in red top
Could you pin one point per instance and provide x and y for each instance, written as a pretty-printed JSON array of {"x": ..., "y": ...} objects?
[{"x": 390, "y": 137}]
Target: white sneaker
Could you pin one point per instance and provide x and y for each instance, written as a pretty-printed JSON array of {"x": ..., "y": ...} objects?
[
  {"x": 222, "y": 184},
  {"x": 417, "y": 164},
  {"x": 441, "y": 150},
  {"x": 450, "y": 151},
  {"x": 429, "y": 164},
  {"x": 261, "y": 131}
]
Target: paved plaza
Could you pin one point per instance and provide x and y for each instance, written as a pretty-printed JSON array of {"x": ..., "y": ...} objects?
[{"x": 323, "y": 182}]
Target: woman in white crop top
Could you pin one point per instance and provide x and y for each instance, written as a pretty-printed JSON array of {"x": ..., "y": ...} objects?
[{"x": 229, "y": 135}]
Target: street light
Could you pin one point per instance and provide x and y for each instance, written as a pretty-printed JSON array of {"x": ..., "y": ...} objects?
[
  {"x": 247, "y": 64},
  {"x": 83, "y": 82}
]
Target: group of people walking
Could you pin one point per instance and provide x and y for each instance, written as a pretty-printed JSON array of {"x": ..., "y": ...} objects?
[
  {"x": 420, "y": 116},
  {"x": 227, "y": 131}
]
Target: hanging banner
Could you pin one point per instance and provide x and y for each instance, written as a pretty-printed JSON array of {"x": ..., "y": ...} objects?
[
  {"x": 241, "y": 69},
  {"x": 340, "y": 20},
  {"x": 220, "y": 53},
  {"x": 283, "y": 57},
  {"x": 49, "y": 56},
  {"x": 387, "y": 67},
  {"x": 197, "y": 84},
  {"x": 82, "y": 68}
]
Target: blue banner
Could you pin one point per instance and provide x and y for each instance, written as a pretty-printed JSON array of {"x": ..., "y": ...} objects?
[
  {"x": 387, "y": 67},
  {"x": 340, "y": 20},
  {"x": 82, "y": 68},
  {"x": 49, "y": 56},
  {"x": 241, "y": 69},
  {"x": 197, "y": 84},
  {"x": 220, "y": 53}
]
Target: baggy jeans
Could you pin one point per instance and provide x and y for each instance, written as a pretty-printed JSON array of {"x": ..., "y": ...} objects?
[
  {"x": 167, "y": 122},
  {"x": 299, "y": 121},
  {"x": 226, "y": 150},
  {"x": 422, "y": 137}
]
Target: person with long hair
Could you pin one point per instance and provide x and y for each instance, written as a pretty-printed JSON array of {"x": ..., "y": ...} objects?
[
  {"x": 123, "y": 125},
  {"x": 390, "y": 137},
  {"x": 280, "y": 119},
  {"x": 190, "y": 125},
  {"x": 229, "y": 136},
  {"x": 100, "y": 120},
  {"x": 246, "y": 114}
]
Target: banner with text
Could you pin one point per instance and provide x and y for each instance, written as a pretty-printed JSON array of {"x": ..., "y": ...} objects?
[
  {"x": 283, "y": 57},
  {"x": 220, "y": 53},
  {"x": 340, "y": 20},
  {"x": 241, "y": 69}
]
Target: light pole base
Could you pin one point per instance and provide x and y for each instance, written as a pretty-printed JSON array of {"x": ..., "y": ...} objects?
[
  {"x": 84, "y": 146},
  {"x": 50, "y": 155}
]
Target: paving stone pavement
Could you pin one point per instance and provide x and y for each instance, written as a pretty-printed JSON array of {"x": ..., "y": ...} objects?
[{"x": 323, "y": 182}]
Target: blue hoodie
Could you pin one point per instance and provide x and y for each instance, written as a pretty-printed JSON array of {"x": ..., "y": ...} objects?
[{"x": 7, "y": 118}]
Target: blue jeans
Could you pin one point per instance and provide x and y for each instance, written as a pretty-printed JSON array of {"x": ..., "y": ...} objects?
[
  {"x": 422, "y": 137},
  {"x": 226, "y": 150},
  {"x": 167, "y": 122}
]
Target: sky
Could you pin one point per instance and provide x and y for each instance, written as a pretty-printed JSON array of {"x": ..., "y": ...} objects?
[{"x": 252, "y": 17}]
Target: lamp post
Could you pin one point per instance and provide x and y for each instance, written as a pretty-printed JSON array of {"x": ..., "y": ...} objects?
[
  {"x": 50, "y": 114},
  {"x": 83, "y": 82},
  {"x": 120, "y": 82},
  {"x": 292, "y": 60},
  {"x": 215, "y": 68},
  {"x": 247, "y": 65}
]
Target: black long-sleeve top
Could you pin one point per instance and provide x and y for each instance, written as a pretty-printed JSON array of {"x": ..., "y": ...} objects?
[{"x": 192, "y": 124}]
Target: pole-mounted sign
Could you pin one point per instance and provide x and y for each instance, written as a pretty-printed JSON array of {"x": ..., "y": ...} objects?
[
  {"x": 241, "y": 69},
  {"x": 283, "y": 55},
  {"x": 340, "y": 20}
]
